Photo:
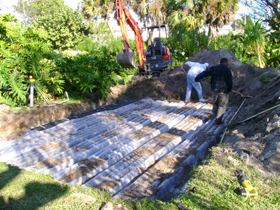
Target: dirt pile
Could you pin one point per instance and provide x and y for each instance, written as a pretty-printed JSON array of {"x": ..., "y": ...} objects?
[{"x": 257, "y": 140}]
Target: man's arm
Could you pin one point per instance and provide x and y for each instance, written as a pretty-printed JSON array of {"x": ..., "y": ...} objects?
[
  {"x": 190, "y": 63},
  {"x": 181, "y": 66},
  {"x": 203, "y": 74},
  {"x": 229, "y": 80}
]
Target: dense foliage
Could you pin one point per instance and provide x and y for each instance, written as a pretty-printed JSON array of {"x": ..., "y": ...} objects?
[
  {"x": 65, "y": 28},
  {"x": 186, "y": 43},
  {"x": 268, "y": 11},
  {"x": 19, "y": 59},
  {"x": 32, "y": 9},
  {"x": 28, "y": 51},
  {"x": 89, "y": 72}
]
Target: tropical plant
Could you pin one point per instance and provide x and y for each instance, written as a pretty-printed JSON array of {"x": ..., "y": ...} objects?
[
  {"x": 255, "y": 36},
  {"x": 27, "y": 52},
  {"x": 12, "y": 86},
  {"x": 23, "y": 53},
  {"x": 186, "y": 43},
  {"x": 99, "y": 31},
  {"x": 239, "y": 23},
  {"x": 88, "y": 73},
  {"x": 142, "y": 9},
  {"x": 272, "y": 55},
  {"x": 8, "y": 23},
  {"x": 178, "y": 20},
  {"x": 11, "y": 82},
  {"x": 269, "y": 12},
  {"x": 150, "y": 11},
  {"x": 233, "y": 43},
  {"x": 110, "y": 48}
]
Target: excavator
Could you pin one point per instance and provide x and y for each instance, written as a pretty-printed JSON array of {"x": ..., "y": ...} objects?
[{"x": 155, "y": 58}]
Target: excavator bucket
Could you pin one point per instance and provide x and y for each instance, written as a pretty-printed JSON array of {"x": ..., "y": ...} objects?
[{"x": 126, "y": 60}]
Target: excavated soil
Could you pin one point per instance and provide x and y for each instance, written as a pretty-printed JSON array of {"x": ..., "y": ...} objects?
[{"x": 257, "y": 140}]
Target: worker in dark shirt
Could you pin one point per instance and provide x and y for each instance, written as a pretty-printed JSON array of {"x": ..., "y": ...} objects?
[{"x": 221, "y": 85}]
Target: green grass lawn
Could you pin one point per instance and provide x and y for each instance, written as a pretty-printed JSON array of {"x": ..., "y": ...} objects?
[{"x": 213, "y": 186}]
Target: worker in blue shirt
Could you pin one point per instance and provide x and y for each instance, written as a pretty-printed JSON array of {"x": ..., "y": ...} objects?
[{"x": 221, "y": 86}]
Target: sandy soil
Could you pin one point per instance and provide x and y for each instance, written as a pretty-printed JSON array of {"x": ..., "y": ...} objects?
[{"x": 257, "y": 140}]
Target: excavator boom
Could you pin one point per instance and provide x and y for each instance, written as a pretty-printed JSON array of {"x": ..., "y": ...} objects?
[
  {"x": 126, "y": 57},
  {"x": 155, "y": 58}
]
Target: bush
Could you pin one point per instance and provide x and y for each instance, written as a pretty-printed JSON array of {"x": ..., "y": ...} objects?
[
  {"x": 23, "y": 53},
  {"x": 93, "y": 72},
  {"x": 186, "y": 43},
  {"x": 65, "y": 28},
  {"x": 27, "y": 52}
]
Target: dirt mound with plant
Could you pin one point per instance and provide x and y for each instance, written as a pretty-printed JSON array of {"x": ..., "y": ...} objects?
[{"x": 256, "y": 140}]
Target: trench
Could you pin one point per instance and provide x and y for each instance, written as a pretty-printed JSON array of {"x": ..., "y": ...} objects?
[{"x": 142, "y": 149}]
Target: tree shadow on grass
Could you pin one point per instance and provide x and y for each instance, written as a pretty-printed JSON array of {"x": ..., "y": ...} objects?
[
  {"x": 36, "y": 194},
  {"x": 8, "y": 175}
]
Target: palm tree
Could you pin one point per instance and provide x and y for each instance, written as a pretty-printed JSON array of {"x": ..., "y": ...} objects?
[
  {"x": 142, "y": 9},
  {"x": 178, "y": 20},
  {"x": 174, "y": 19},
  {"x": 150, "y": 11},
  {"x": 88, "y": 9},
  {"x": 216, "y": 14},
  {"x": 182, "y": 17},
  {"x": 158, "y": 12},
  {"x": 239, "y": 23},
  {"x": 98, "y": 8},
  {"x": 193, "y": 15},
  {"x": 255, "y": 36}
]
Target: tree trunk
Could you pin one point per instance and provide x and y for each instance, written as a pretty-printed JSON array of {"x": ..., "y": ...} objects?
[
  {"x": 260, "y": 60},
  {"x": 209, "y": 35},
  {"x": 112, "y": 32}
]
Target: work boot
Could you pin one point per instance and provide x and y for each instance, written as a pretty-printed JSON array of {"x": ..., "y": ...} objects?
[
  {"x": 202, "y": 100},
  {"x": 187, "y": 101}
]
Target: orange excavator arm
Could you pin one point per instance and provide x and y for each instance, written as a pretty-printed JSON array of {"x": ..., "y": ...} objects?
[{"x": 125, "y": 57}]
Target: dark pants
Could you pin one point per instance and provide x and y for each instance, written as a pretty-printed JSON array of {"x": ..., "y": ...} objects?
[{"x": 220, "y": 104}]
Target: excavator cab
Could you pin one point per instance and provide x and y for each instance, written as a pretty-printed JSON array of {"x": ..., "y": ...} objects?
[
  {"x": 155, "y": 58},
  {"x": 158, "y": 56}
]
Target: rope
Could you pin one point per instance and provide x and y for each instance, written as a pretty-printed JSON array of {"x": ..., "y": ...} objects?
[
  {"x": 249, "y": 118},
  {"x": 232, "y": 119}
]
